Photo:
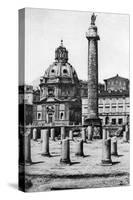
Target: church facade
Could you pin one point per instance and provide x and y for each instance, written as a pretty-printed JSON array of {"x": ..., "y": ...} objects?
[{"x": 60, "y": 102}]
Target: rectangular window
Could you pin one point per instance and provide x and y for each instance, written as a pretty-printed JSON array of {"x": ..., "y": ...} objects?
[
  {"x": 107, "y": 109},
  {"x": 100, "y": 109},
  {"x": 120, "y": 121},
  {"x": 120, "y": 108},
  {"x": 114, "y": 121},
  {"x": 113, "y": 109}
]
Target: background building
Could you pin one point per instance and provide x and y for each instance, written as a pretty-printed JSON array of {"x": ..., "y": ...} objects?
[
  {"x": 113, "y": 102},
  {"x": 25, "y": 104}
]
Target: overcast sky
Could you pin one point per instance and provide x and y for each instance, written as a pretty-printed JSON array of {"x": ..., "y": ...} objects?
[{"x": 45, "y": 28}]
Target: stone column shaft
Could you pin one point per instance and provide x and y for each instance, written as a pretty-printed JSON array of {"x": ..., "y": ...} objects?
[
  {"x": 79, "y": 148},
  {"x": 106, "y": 152},
  {"x": 27, "y": 146},
  {"x": 71, "y": 135},
  {"x": 83, "y": 134},
  {"x": 90, "y": 130},
  {"x": 65, "y": 152},
  {"x": 63, "y": 134},
  {"x": 114, "y": 147},
  {"x": 108, "y": 133},
  {"x": 52, "y": 134},
  {"x": 125, "y": 136},
  {"x": 35, "y": 134},
  {"x": 92, "y": 78},
  {"x": 45, "y": 142},
  {"x": 104, "y": 134}
]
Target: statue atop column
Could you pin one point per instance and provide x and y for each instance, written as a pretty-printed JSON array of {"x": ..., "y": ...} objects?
[{"x": 93, "y": 19}]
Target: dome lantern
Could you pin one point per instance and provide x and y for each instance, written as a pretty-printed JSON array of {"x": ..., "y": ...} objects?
[{"x": 61, "y": 54}]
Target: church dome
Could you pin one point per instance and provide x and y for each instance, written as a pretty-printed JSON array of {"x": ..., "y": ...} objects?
[{"x": 61, "y": 69}]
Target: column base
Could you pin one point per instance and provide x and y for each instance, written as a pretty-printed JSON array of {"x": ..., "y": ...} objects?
[
  {"x": 79, "y": 154},
  {"x": 114, "y": 154},
  {"x": 46, "y": 154},
  {"x": 26, "y": 163},
  {"x": 106, "y": 162},
  {"x": 65, "y": 161},
  {"x": 52, "y": 139},
  {"x": 34, "y": 140}
]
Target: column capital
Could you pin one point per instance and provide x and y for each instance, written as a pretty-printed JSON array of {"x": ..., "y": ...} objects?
[{"x": 92, "y": 33}]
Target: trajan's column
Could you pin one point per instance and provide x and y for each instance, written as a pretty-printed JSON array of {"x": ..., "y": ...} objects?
[{"x": 92, "y": 37}]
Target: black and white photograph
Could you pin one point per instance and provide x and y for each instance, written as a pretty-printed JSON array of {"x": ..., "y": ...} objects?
[{"x": 74, "y": 104}]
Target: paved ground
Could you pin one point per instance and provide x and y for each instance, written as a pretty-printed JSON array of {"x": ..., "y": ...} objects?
[{"x": 47, "y": 173}]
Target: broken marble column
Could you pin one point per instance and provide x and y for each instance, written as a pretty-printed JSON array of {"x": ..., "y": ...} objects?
[
  {"x": 65, "y": 152},
  {"x": 70, "y": 135},
  {"x": 114, "y": 146},
  {"x": 79, "y": 148},
  {"x": 104, "y": 134},
  {"x": 106, "y": 152},
  {"x": 45, "y": 142},
  {"x": 34, "y": 134},
  {"x": 83, "y": 134},
  {"x": 63, "y": 134},
  {"x": 90, "y": 132},
  {"x": 27, "y": 146},
  {"x": 52, "y": 134}
]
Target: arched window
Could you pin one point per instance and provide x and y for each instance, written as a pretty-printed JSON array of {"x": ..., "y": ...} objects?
[
  {"x": 62, "y": 115},
  {"x": 65, "y": 71},
  {"x": 39, "y": 116}
]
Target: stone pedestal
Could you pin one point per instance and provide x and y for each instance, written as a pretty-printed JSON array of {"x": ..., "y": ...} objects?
[
  {"x": 104, "y": 134},
  {"x": 114, "y": 147},
  {"x": 34, "y": 134},
  {"x": 27, "y": 147},
  {"x": 52, "y": 134},
  {"x": 63, "y": 134},
  {"x": 70, "y": 135},
  {"x": 106, "y": 152},
  {"x": 83, "y": 134},
  {"x": 65, "y": 152},
  {"x": 45, "y": 142},
  {"x": 79, "y": 148}
]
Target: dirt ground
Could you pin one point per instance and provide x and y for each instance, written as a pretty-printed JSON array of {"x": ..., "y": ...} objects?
[{"x": 46, "y": 173}]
